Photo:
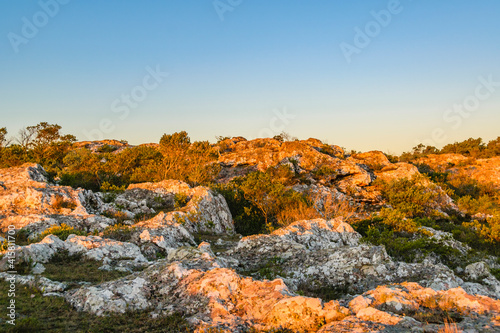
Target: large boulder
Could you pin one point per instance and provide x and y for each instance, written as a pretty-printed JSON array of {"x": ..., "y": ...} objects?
[
  {"x": 210, "y": 296},
  {"x": 163, "y": 231},
  {"x": 328, "y": 254},
  {"x": 214, "y": 297},
  {"x": 205, "y": 212},
  {"x": 122, "y": 254},
  {"x": 305, "y": 156},
  {"x": 29, "y": 201},
  {"x": 25, "y": 190}
]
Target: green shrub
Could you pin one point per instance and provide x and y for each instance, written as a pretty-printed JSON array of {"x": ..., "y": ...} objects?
[
  {"x": 483, "y": 204},
  {"x": 62, "y": 232},
  {"x": 471, "y": 147},
  {"x": 106, "y": 149},
  {"x": 118, "y": 232},
  {"x": 326, "y": 293},
  {"x": 260, "y": 202},
  {"x": 398, "y": 220},
  {"x": 477, "y": 235},
  {"x": 4, "y": 246},
  {"x": 406, "y": 246},
  {"x": 109, "y": 197},
  {"x": 410, "y": 196},
  {"x": 269, "y": 270},
  {"x": 247, "y": 218},
  {"x": 180, "y": 200},
  {"x": 106, "y": 187},
  {"x": 81, "y": 179}
]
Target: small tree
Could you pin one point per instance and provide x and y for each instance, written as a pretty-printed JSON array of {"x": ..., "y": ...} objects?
[
  {"x": 3, "y": 137},
  {"x": 470, "y": 147},
  {"x": 493, "y": 147},
  {"x": 174, "y": 149},
  {"x": 177, "y": 140},
  {"x": 25, "y": 137},
  {"x": 45, "y": 142},
  {"x": 260, "y": 189},
  {"x": 82, "y": 169},
  {"x": 410, "y": 196},
  {"x": 194, "y": 162},
  {"x": 284, "y": 137}
]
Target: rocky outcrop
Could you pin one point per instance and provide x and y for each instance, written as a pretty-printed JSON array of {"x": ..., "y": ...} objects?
[
  {"x": 162, "y": 231},
  {"x": 388, "y": 304},
  {"x": 205, "y": 211},
  {"x": 323, "y": 166},
  {"x": 34, "y": 225},
  {"x": 301, "y": 236},
  {"x": 480, "y": 281},
  {"x": 446, "y": 239},
  {"x": 256, "y": 282},
  {"x": 28, "y": 200},
  {"x": 26, "y": 191},
  {"x": 208, "y": 295},
  {"x": 102, "y": 146},
  {"x": 49, "y": 288},
  {"x": 485, "y": 171},
  {"x": 319, "y": 254},
  {"x": 304, "y": 156},
  {"x": 125, "y": 256},
  {"x": 375, "y": 160}
]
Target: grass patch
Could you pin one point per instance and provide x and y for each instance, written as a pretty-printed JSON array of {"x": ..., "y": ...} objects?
[
  {"x": 22, "y": 237},
  {"x": 53, "y": 314},
  {"x": 212, "y": 239},
  {"x": 405, "y": 246},
  {"x": 118, "y": 232},
  {"x": 325, "y": 293},
  {"x": 434, "y": 316},
  {"x": 495, "y": 272},
  {"x": 72, "y": 268},
  {"x": 466, "y": 235},
  {"x": 270, "y": 270},
  {"x": 141, "y": 217}
]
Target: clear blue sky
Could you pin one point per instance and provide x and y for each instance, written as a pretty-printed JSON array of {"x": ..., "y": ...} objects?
[{"x": 228, "y": 77}]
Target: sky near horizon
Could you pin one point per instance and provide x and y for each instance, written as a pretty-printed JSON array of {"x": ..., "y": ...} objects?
[{"x": 364, "y": 75}]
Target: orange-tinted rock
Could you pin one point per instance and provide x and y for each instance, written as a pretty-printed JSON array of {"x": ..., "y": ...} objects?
[{"x": 265, "y": 153}]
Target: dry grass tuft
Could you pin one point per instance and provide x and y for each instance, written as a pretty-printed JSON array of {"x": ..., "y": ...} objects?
[
  {"x": 449, "y": 327},
  {"x": 296, "y": 213},
  {"x": 60, "y": 202}
]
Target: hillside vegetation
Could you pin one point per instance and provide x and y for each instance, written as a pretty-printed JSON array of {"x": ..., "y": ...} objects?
[{"x": 330, "y": 224}]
